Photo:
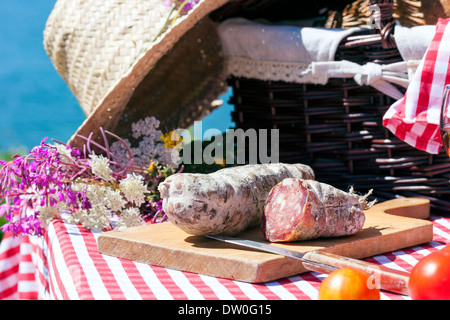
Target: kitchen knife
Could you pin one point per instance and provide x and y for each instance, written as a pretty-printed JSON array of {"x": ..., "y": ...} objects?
[{"x": 324, "y": 262}]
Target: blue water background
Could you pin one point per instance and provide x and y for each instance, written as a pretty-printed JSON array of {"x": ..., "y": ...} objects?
[{"x": 35, "y": 102}]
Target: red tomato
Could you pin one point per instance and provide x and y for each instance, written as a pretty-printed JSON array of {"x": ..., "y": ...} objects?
[
  {"x": 347, "y": 284},
  {"x": 430, "y": 277}
]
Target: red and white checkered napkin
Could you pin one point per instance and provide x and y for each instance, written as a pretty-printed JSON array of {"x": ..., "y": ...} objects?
[{"x": 415, "y": 118}]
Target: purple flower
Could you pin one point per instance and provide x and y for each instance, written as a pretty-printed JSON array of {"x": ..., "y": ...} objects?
[
  {"x": 71, "y": 197},
  {"x": 38, "y": 178},
  {"x": 188, "y": 6},
  {"x": 60, "y": 196}
]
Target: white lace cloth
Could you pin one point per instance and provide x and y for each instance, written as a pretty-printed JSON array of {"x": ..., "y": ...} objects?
[
  {"x": 306, "y": 55},
  {"x": 277, "y": 52}
]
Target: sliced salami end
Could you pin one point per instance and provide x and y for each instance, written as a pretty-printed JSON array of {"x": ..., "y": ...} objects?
[
  {"x": 288, "y": 215},
  {"x": 298, "y": 209}
]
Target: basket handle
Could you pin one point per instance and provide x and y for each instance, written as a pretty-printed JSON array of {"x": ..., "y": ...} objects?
[{"x": 387, "y": 21}]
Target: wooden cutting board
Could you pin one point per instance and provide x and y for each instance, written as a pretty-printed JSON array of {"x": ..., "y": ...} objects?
[{"x": 388, "y": 227}]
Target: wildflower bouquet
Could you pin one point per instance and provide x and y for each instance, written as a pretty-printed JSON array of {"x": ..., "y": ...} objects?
[
  {"x": 101, "y": 186},
  {"x": 113, "y": 188}
]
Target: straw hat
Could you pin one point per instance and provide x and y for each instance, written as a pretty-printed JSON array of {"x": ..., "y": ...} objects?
[{"x": 121, "y": 67}]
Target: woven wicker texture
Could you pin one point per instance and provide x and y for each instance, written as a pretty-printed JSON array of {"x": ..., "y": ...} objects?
[
  {"x": 408, "y": 13},
  {"x": 337, "y": 128}
]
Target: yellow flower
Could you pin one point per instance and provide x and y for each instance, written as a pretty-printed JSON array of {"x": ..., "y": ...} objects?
[
  {"x": 152, "y": 165},
  {"x": 168, "y": 142}
]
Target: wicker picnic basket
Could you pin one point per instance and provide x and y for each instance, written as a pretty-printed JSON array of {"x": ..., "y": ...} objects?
[{"x": 337, "y": 128}]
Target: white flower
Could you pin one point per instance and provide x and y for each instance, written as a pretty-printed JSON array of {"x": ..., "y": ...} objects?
[
  {"x": 98, "y": 218},
  {"x": 114, "y": 199},
  {"x": 78, "y": 186},
  {"x": 129, "y": 218},
  {"x": 134, "y": 188},
  {"x": 96, "y": 194},
  {"x": 77, "y": 217},
  {"x": 100, "y": 167},
  {"x": 63, "y": 150}
]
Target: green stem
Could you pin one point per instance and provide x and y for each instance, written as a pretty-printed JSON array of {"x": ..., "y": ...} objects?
[
  {"x": 165, "y": 22},
  {"x": 178, "y": 12}
]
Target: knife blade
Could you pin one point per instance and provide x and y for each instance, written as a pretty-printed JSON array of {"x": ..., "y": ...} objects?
[
  {"x": 380, "y": 276},
  {"x": 272, "y": 249}
]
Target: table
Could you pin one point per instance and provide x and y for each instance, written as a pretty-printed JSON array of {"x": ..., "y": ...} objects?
[{"x": 65, "y": 264}]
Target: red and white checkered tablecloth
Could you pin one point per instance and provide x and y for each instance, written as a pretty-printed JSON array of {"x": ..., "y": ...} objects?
[{"x": 65, "y": 264}]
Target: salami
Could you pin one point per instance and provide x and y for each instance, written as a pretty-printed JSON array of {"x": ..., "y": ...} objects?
[
  {"x": 298, "y": 209},
  {"x": 227, "y": 201}
]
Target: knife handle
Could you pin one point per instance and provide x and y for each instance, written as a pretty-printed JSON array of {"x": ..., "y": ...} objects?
[{"x": 381, "y": 277}]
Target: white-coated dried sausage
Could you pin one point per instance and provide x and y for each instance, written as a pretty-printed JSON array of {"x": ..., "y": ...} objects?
[{"x": 227, "y": 201}]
